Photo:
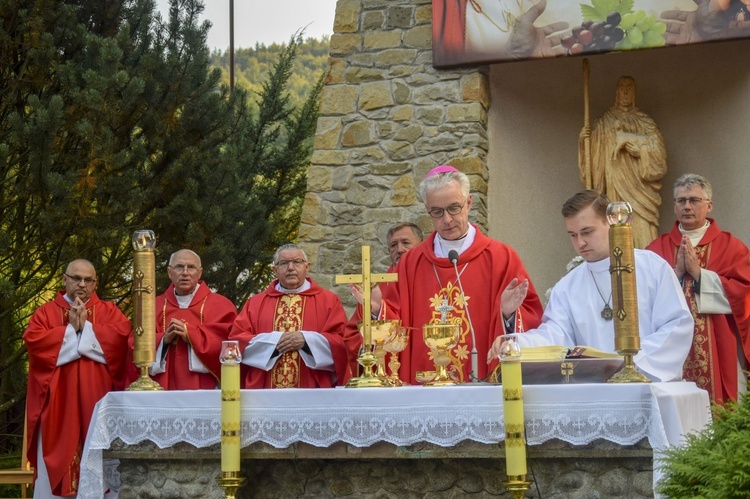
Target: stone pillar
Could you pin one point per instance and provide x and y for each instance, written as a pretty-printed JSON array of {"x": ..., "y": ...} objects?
[{"x": 387, "y": 117}]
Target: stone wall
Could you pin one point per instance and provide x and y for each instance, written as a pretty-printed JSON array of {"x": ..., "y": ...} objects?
[
  {"x": 387, "y": 117},
  {"x": 601, "y": 469}
]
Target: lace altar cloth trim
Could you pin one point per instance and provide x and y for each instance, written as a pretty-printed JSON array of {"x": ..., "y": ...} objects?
[{"x": 578, "y": 414}]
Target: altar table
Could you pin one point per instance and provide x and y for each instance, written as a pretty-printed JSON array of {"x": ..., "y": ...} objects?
[{"x": 578, "y": 414}]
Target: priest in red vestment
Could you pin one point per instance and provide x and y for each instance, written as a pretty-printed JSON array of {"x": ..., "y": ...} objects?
[
  {"x": 714, "y": 269},
  {"x": 498, "y": 294},
  {"x": 293, "y": 333},
  {"x": 191, "y": 323},
  {"x": 77, "y": 346},
  {"x": 400, "y": 238}
]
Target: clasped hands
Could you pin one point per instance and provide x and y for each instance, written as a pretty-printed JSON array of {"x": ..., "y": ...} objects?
[
  {"x": 290, "y": 341},
  {"x": 78, "y": 315},
  {"x": 687, "y": 260},
  {"x": 176, "y": 328}
]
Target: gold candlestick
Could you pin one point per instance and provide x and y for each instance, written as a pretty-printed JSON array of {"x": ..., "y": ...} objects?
[
  {"x": 366, "y": 359},
  {"x": 144, "y": 314},
  {"x": 624, "y": 295},
  {"x": 515, "y": 429},
  {"x": 230, "y": 479}
]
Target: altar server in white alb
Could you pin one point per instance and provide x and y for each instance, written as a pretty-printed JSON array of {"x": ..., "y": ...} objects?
[{"x": 579, "y": 311}]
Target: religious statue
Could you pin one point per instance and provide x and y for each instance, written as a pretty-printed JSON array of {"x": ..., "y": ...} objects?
[{"x": 624, "y": 157}]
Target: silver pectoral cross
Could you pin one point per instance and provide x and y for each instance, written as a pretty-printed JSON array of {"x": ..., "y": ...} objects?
[{"x": 444, "y": 308}]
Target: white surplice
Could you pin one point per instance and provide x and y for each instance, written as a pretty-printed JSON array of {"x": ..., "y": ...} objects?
[{"x": 573, "y": 315}]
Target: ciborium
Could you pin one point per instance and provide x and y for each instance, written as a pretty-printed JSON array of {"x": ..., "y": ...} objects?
[
  {"x": 381, "y": 333},
  {"x": 396, "y": 345},
  {"x": 441, "y": 338}
]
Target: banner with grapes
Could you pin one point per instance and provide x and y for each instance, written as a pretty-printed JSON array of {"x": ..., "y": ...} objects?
[{"x": 481, "y": 31}]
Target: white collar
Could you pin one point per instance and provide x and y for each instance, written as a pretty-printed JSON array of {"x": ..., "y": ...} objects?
[
  {"x": 305, "y": 286},
  {"x": 184, "y": 301},
  {"x": 442, "y": 247}
]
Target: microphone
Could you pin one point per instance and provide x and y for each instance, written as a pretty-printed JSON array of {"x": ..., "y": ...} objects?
[{"x": 453, "y": 258}]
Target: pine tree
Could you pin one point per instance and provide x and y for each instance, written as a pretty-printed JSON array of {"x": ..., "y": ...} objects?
[{"x": 111, "y": 120}]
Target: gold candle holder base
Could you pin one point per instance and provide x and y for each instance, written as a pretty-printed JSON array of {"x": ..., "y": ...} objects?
[
  {"x": 373, "y": 355},
  {"x": 230, "y": 481},
  {"x": 517, "y": 486},
  {"x": 628, "y": 373},
  {"x": 368, "y": 379},
  {"x": 144, "y": 383}
]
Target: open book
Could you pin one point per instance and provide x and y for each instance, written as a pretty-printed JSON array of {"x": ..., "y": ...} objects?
[{"x": 556, "y": 352}]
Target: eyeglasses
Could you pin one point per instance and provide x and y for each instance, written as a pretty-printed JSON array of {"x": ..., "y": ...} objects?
[
  {"x": 286, "y": 263},
  {"x": 453, "y": 209},
  {"x": 191, "y": 269},
  {"x": 77, "y": 279},
  {"x": 692, "y": 201}
]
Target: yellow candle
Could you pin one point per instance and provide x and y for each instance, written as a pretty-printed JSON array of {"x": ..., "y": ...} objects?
[
  {"x": 515, "y": 431},
  {"x": 230, "y": 417}
]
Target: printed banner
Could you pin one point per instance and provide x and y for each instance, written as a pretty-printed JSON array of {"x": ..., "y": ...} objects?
[{"x": 482, "y": 31}]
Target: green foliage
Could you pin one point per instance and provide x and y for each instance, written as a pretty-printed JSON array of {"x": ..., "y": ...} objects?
[
  {"x": 253, "y": 65},
  {"x": 714, "y": 463},
  {"x": 113, "y": 119}
]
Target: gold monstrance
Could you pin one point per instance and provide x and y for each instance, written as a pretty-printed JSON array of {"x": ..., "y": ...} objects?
[
  {"x": 144, "y": 314},
  {"x": 624, "y": 297},
  {"x": 366, "y": 358}
]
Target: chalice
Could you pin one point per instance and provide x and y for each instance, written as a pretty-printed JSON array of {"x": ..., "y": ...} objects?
[
  {"x": 381, "y": 332},
  {"x": 396, "y": 345},
  {"x": 441, "y": 338}
]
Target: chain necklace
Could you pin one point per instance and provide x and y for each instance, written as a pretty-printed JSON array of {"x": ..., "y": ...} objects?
[{"x": 607, "y": 313}]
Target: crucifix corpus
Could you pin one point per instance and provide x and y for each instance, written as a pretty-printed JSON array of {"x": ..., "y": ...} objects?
[{"x": 366, "y": 280}]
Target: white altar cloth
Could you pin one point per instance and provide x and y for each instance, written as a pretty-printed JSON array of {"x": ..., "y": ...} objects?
[{"x": 577, "y": 413}]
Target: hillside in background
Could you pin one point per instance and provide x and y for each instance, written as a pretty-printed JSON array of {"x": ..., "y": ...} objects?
[{"x": 251, "y": 66}]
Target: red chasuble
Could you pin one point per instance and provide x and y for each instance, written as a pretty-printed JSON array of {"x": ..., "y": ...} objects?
[
  {"x": 718, "y": 339},
  {"x": 424, "y": 281},
  {"x": 60, "y": 400},
  {"x": 316, "y": 310},
  {"x": 209, "y": 318}
]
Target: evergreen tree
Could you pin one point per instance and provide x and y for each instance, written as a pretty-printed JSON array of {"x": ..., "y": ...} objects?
[{"x": 111, "y": 120}]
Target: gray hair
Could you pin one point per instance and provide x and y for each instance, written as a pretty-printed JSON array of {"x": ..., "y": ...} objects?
[
  {"x": 284, "y": 247},
  {"x": 692, "y": 179},
  {"x": 414, "y": 228},
  {"x": 196, "y": 255},
  {"x": 440, "y": 180}
]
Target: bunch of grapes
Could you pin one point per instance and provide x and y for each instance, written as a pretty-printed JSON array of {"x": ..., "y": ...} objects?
[
  {"x": 595, "y": 36},
  {"x": 641, "y": 31}
]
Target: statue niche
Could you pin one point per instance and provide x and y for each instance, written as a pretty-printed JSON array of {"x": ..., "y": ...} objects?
[{"x": 623, "y": 156}]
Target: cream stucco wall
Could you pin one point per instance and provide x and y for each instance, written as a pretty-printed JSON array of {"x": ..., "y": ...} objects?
[{"x": 699, "y": 97}]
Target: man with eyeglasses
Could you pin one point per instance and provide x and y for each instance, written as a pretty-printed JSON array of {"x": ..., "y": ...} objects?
[
  {"x": 714, "y": 269},
  {"x": 498, "y": 297},
  {"x": 77, "y": 346},
  {"x": 292, "y": 335},
  {"x": 191, "y": 323}
]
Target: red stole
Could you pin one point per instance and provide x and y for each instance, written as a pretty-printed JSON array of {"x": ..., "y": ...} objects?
[
  {"x": 315, "y": 309},
  {"x": 712, "y": 362}
]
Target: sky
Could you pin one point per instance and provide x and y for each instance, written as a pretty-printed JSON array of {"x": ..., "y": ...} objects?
[{"x": 264, "y": 21}]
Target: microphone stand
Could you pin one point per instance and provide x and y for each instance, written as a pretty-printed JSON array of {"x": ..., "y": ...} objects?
[{"x": 453, "y": 257}]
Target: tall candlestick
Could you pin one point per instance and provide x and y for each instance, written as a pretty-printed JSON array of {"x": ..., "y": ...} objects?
[
  {"x": 144, "y": 315},
  {"x": 624, "y": 296},
  {"x": 515, "y": 428},
  {"x": 231, "y": 420}
]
